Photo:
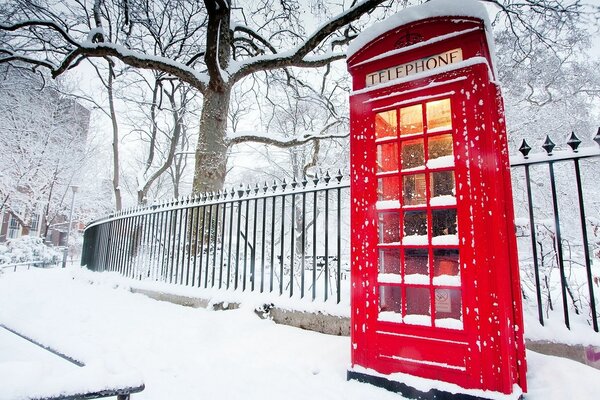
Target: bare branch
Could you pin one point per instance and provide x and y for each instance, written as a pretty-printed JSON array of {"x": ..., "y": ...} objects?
[
  {"x": 297, "y": 58},
  {"x": 285, "y": 143}
]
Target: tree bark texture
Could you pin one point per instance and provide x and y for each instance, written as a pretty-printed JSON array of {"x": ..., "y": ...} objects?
[{"x": 211, "y": 150}]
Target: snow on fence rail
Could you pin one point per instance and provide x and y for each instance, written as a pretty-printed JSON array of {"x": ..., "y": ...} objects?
[
  {"x": 283, "y": 238},
  {"x": 293, "y": 238}
]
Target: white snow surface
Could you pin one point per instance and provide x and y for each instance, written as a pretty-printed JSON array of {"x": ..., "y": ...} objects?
[
  {"x": 188, "y": 353},
  {"x": 433, "y": 8}
]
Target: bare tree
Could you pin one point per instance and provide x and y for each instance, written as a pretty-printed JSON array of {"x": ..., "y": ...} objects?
[
  {"x": 216, "y": 45},
  {"x": 199, "y": 44},
  {"x": 42, "y": 146}
]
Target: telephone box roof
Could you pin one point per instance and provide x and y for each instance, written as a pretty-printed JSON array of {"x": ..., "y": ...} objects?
[{"x": 430, "y": 9}]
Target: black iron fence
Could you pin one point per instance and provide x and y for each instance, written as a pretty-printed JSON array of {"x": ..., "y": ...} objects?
[
  {"x": 282, "y": 238},
  {"x": 557, "y": 200},
  {"x": 293, "y": 238}
]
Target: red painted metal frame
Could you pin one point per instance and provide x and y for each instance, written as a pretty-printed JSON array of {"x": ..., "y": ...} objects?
[{"x": 488, "y": 353}]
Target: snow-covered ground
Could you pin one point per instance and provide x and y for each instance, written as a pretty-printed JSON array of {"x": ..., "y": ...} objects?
[{"x": 187, "y": 353}]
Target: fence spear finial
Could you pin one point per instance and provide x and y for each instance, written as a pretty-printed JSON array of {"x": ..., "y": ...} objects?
[
  {"x": 573, "y": 141},
  {"x": 525, "y": 148},
  {"x": 548, "y": 145},
  {"x": 597, "y": 137}
]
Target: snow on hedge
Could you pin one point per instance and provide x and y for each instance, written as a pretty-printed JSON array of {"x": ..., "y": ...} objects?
[{"x": 28, "y": 248}]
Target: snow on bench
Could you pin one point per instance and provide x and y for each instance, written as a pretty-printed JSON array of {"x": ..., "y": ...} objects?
[{"x": 29, "y": 370}]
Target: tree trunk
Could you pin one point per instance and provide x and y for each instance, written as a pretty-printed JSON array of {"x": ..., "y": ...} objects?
[
  {"x": 211, "y": 150},
  {"x": 115, "y": 141}
]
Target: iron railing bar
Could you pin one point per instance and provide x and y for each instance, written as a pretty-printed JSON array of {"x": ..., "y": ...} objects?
[
  {"x": 188, "y": 245},
  {"x": 302, "y": 284},
  {"x": 292, "y": 239},
  {"x": 262, "y": 256},
  {"x": 282, "y": 245},
  {"x": 558, "y": 243},
  {"x": 196, "y": 282},
  {"x": 536, "y": 269},
  {"x": 272, "y": 242},
  {"x": 215, "y": 243},
  {"x": 178, "y": 273},
  {"x": 586, "y": 249},
  {"x": 245, "y": 247},
  {"x": 237, "y": 244},
  {"x": 314, "y": 258},
  {"x": 253, "y": 255},
  {"x": 223, "y": 226},
  {"x": 202, "y": 234},
  {"x": 326, "y": 245},
  {"x": 229, "y": 245},
  {"x": 339, "y": 246},
  {"x": 207, "y": 240}
]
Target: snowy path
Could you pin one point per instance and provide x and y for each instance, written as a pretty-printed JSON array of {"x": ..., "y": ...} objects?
[{"x": 189, "y": 353}]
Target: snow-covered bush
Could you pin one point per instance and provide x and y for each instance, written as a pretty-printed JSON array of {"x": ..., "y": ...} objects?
[{"x": 28, "y": 248}]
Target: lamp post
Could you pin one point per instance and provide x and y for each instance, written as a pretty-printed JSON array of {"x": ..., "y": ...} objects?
[{"x": 74, "y": 188}]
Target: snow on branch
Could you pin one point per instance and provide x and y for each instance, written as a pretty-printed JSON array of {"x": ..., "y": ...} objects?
[
  {"x": 44, "y": 23},
  {"x": 284, "y": 142},
  {"x": 76, "y": 51},
  {"x": 297, "y": 57}
]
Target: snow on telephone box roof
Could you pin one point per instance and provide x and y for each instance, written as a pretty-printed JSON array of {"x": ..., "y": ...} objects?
[{"x": 374, "y": 44}]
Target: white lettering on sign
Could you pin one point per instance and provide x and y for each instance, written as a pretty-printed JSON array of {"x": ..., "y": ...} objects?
[{"x": 414, "y": 67}]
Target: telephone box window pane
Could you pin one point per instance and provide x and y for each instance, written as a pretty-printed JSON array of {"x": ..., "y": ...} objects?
[
  {"x": 411, "y": 120},
  {"x": 389, "y": 261},
  {"x": 385, "y": 124},
  {"x": 390, "y": 299},
  {"x": 418, "y": 305},
  {"x": 446, "y": 267},
  {"x": 416, "y": 262},
  {"x": 440, "y": 146},
  {"x": 448, "y": 307},
  {"x": 413, "y": 154},
  {"x": 387, "y": 157},
  {"x": 444, "y": 222},
  {"x": 388, "y": 188},
  {"x": 442, "y": 184},
  {"x": 415, "y": 224},
  {"x": 389, "y": 227},
  {"x": 439, "y": 115},
  {"x": 414, "y": 191}
]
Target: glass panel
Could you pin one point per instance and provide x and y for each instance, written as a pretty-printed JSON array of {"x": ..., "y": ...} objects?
[
  {"x": 440, "y": 146},
  {"x": 445, "y": 262},
  {"x": 385, "y": 124},
  {"x": 415, "y": 223},
  {"x": 413, "y": 154},
  {"x": 388, "y": 188},
  {"x": 389, "y": 227},
  {"x": 390, "y": 299},
  {"x": 448, "y": 303},
  {"x": 444, "y": 222},
  {"x": 411, "y": 120},
  {"x": 442, "y": 184},
  {"x": 414, "y": 191},
  {"x": 387, "y": 157},
  {"x": 389, "y": 261},
  {"x": 416, "y": 262},
  {"x": 417, "y": 301},
  {"x": 439, "y": 116}
]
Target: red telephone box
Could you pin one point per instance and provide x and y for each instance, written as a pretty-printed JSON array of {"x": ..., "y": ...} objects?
[{"x": 435, "y": 280}]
